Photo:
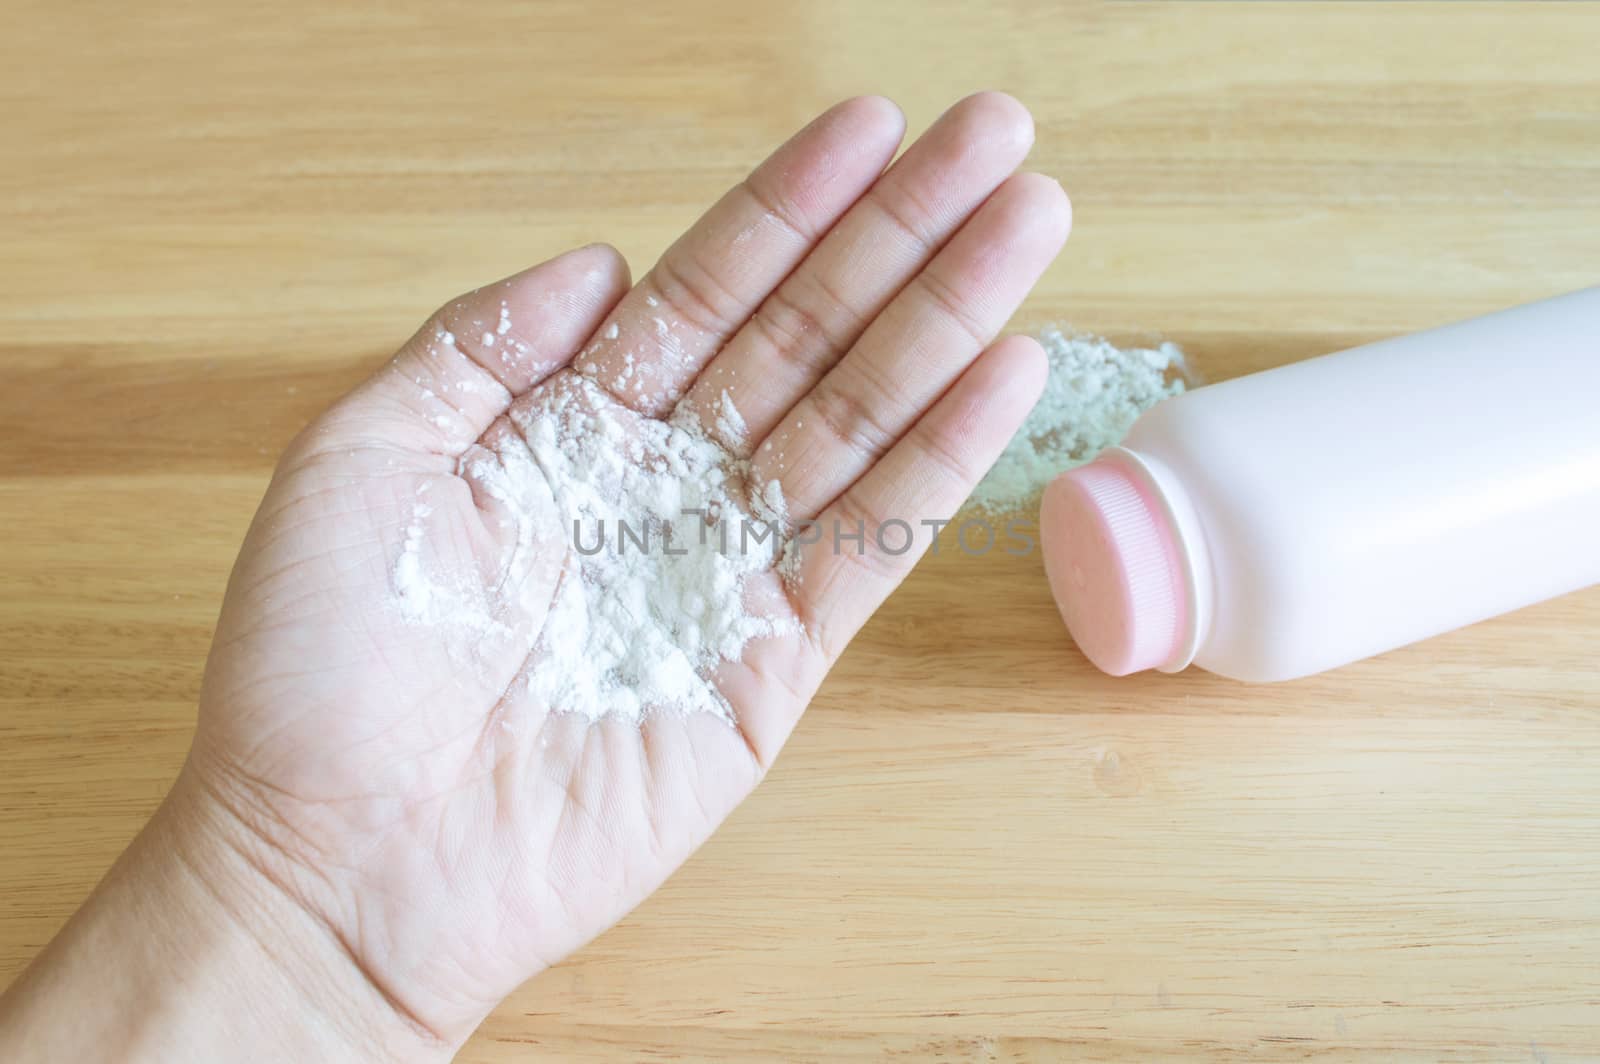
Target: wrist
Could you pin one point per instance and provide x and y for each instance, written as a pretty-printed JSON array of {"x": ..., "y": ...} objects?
[
  {"x": 189, "y": 949},
  {"x": 257, "y": 919}
]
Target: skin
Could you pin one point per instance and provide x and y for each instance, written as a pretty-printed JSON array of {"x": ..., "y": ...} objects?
[{"x": 377, "y": 835}]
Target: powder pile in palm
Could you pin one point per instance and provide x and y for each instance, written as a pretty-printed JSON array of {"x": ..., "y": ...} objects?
[
  {"x": 633, "y": 630},
  {"x": 1094, "y": 393},
  {"x": 639, "y": 622}
]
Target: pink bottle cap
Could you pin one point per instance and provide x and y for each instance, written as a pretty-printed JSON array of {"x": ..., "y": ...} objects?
[{"x": 1115, "y": 565}]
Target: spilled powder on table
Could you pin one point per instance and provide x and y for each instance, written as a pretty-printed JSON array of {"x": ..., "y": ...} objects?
[{"x": 1094, "y": 393}]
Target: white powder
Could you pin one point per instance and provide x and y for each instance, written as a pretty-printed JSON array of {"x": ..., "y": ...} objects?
[
  {"x": 1094, "y": 393},
  {"x": 415, "y": 592},
  {"x": 445, "y": 600},
  {"x": 651, "y": 597},
  {"x": 730, "y": 425}
]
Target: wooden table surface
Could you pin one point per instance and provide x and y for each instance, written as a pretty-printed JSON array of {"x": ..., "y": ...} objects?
[{"x": 217, "y": 216}]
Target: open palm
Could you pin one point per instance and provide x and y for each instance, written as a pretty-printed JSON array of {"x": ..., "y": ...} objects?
[{"x": 455, "y": 833}]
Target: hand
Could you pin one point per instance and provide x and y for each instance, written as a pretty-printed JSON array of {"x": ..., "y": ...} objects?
[{"x": 391, "y": 778}]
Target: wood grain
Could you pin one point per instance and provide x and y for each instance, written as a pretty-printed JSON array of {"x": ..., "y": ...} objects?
[{"x": 216, "y": 217}]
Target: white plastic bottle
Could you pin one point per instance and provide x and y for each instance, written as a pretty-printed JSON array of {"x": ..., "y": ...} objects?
[{"x": 1287, "y": 522}]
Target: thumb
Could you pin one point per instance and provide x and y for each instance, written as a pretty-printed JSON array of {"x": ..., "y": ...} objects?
[{"x": 450, "y": 381}]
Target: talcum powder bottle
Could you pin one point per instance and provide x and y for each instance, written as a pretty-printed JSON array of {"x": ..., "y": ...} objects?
[{"x": 1290, "y": 521}]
